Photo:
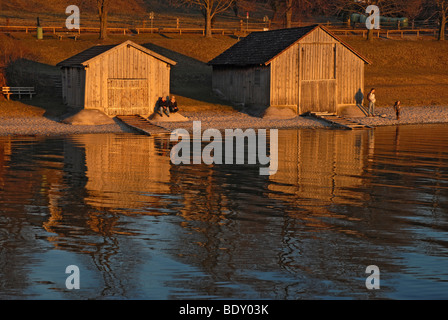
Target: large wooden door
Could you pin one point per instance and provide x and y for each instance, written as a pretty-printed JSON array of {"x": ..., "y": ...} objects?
[
  {"x": 317, "y": 77},
  {"x": 318, "y": 96},
  {"x": 128, "y": 97}
]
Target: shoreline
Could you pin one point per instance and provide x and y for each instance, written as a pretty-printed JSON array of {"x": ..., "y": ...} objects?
[{"x": 42, "y": 126}]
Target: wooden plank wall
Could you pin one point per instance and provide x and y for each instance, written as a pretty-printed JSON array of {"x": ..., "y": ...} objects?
[
  {"x": 318, "y": 73},
  {"x": 126, "y": 63},
  {"x": 349, "y": 68},
  {"x": 73, "y": 83},
  {"x": 243, "y": 85},
  {"x": 305, "y": 73},
  {"x": 230, "y": 82},
  {"x": 285, "y": 78},
  {"x": 125, "y": 96},
  {"x": 350, "y": 76}
]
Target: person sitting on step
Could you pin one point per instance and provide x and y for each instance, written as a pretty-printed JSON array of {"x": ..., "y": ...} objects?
[
  {"x": 173, "y": 105},
  {"x": 163, "y": 106}
]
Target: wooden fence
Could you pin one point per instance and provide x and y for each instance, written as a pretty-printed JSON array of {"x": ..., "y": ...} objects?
[
  {"x": 124, "y": 31},
  {"x": 239, "y": 31},
  {"x": 387, "y": 33}
]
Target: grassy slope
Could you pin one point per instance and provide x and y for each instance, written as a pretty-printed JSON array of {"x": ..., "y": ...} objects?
[
  {"x": 414, "y": 72},
  {"x": 56, "y": 8},
  {"x": 122, "y": 13}
]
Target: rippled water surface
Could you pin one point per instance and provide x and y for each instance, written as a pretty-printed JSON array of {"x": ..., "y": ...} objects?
[{"x": 139, "y": 227}]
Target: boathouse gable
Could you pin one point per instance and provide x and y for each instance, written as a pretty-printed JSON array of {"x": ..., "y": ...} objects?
[
  {"x": 305, "y": 69},
  {"x": 124, "y": 79}
]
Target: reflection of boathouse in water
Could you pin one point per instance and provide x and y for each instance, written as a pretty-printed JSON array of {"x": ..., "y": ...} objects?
[
  {"x": 224, "y": 217},
  {"x": 125, "y": 173},
  {"x": 119, "y": 175},
  {"x": 313, "y": 165},
  {"x": 318, "y": 168}
]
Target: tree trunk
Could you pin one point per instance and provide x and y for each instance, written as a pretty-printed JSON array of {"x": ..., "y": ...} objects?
[
  {"x": 289, "y": 18},
  {"x": 442, "y": 27},
  {"x": 103, "y": 26},
  {"x": 2, "y": 80},
  {"x": 370, "y": 35},
  {"x": 208, "y": 23},
  {"x": 288, "y": 13}
]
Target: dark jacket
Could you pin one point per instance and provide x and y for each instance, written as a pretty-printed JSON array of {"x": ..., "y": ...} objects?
[
  {"x": 173, "y": 106},
  {"x": 164, "y": 104}
]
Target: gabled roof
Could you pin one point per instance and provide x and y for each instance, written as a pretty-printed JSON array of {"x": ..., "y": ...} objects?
[
  {"x": 87, "y": 56},
  {"x": 260, "y": 48}
]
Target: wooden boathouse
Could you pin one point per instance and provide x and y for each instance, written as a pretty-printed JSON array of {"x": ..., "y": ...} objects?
[
  {"x": 123, "y": 79},
  {"x": 307, "y": 69}
]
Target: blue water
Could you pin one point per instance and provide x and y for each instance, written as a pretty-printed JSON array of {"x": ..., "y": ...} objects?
[{"x": 139, "y": 227}]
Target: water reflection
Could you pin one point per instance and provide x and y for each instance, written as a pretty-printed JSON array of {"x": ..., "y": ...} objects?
[
  {"x": 322, "y": 172},
  {"x": 141, "y": 227}
]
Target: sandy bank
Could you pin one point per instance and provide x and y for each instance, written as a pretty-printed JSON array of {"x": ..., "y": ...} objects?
[
  {"x": 385, "y": 117},
  {"x": 409, "y": 115},
  {"x": 238, "y": 120},
  {"x": 220, "y": 120},
  {"x": 47, "y": 127}
]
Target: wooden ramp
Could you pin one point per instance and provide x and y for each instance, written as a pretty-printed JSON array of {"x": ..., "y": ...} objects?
[
  {"x": 338, "y": 121},
  {"x": 143, "y": 125}
]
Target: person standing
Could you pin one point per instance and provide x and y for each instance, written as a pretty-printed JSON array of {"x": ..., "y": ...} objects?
[
  {"x": 397, "y": 108},
  {"x": 372, "y": 100}
]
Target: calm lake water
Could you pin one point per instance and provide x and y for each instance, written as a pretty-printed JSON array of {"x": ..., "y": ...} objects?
[{"x": 139, "y": 227}]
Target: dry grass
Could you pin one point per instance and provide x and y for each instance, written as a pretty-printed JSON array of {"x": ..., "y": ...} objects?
[
  {"x": 51, "y": 51},
  {"x": 414, "y": 72},
  {"x": 25, "y": 11},
  {"x": 17, "y": 109}
]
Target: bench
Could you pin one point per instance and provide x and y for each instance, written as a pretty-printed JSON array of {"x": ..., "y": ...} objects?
[
  {"x": 62, "y": 35},
  {"x": 8, "y": 91}
]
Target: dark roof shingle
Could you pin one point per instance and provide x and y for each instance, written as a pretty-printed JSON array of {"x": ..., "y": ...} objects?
[
  {"x": 260, "y": 47},
  {"x": 80, "y": 58}
]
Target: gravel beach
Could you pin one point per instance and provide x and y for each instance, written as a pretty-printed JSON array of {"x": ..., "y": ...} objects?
[
  {"x": 221, "y": 120},
  {"x": 409, "y": 115},
  {"x": 385, "y": 116},
  {"x": 47, "y": 127}
]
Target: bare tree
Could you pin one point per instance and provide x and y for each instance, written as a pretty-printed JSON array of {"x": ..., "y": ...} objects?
[
  {"x": 442, "y": 10},
  {"x": 210, "y": 8},
  {"x": 387, "y": 7},
  {"x": 411, "y": 9},
  {"x": 103, "y": 11},
  {"x": 288, "y": 8},
  {"x": 288, "y": 12}
]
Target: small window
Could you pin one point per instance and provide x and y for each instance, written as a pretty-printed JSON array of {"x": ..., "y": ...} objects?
[{"x": 257, "y": 77}]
